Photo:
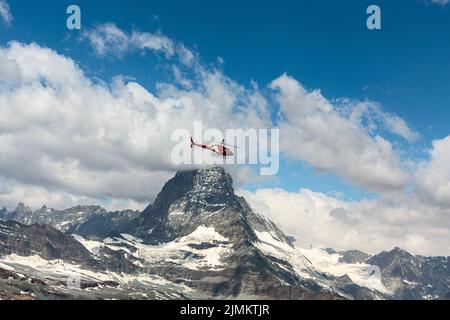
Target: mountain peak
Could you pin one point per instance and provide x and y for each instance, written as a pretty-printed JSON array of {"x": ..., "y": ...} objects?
[
  {"x": 22, "y": 214},
  {"x": 202, "y": 198},
  {"x": 400, "y": 251},
  {"x": 214, "y": 179},
  {"x": 189, "y": 194},
  {"x": 211, "y": 188},
  {"x": 212, "y": 169},
  {"x": 21, "y": 207}
]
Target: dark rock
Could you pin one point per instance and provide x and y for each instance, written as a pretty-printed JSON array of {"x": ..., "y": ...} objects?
[
  {"x": 45, "y": 241},
  {"x": 413, "y": 276}
]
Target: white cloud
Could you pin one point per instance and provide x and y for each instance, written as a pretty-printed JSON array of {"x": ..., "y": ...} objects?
[
  {"x": 110, "y": 140},
  {"x": 67, "y": 139},
  {"x": 433, "y": 176},
  {"x": 109, "y": 40},
  {"x": 5, "y": 12},
  {"x": 61, "y": 131},
  {"x": 368, "y": 225},
  {"x": 312, "y": 129},
  {"x": 11, "y": 193},
  {"x": 439, "y": 2},
  {"x": 371, "y": 115}
]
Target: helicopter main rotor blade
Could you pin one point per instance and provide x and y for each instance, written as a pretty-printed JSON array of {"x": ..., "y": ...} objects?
[{"x": 229, "y": 145}]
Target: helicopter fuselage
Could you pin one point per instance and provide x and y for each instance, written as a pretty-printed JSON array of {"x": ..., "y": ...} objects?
[{"x": 219, "y": 149}]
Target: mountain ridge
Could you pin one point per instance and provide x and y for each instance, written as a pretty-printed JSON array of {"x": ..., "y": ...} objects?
[{"x": 198, "y": 234}]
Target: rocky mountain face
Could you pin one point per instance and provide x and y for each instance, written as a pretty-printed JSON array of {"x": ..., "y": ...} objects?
[
  {"x": 196, "y": 240},
  {"x": 202, "y": 198},
  {"x": 413, "y": 276},
  {"x": 219, "y": 230},
  {"x": 41, "y": 262},
  {"x": 42, "y": 240},
  {"x": 349, "y": 256},
  {"x": 21, "y": 214},
  {"x": 102, "y": 223},
  {"x": 61, "y": 220}
]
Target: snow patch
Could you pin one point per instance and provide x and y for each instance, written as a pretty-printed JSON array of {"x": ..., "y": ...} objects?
[
  {"x": 180, "y": 252},
  {"x": 360, "y": 273},
  {"x": 60, "y": 271},
  {"x": 177, "y": 213},
  {"x": 306, "y": 262}
]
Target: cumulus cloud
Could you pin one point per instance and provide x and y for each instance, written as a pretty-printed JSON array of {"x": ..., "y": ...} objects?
[
  {"x": 11, "y": 193},
  {"x": 340, "y": 137},
  {"x": 433, "y": 175},
  {"x": 66, "y": 138},
  {"x": 368, "y": 225},
  {"x": 5, "y": 12},
  {"x": 313, "y": 129},
  {"x": 62, "y": 131}
]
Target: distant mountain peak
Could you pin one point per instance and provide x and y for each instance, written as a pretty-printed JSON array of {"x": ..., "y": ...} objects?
[
  {"x": 399, "y": 250},
  {"x": 21, "y": 207}
]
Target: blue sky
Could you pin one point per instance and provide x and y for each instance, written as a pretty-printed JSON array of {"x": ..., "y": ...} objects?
[
  {"x": 315, "y": 41},
  {"x": 324, "y": 44}
]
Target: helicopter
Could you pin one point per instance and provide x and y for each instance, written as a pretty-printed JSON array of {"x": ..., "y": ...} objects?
[{"x": 220, "y": 149}]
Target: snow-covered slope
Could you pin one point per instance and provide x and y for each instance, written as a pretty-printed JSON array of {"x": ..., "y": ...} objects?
[
  {"x": 75, "y": 281},
  {"x": 202, "y": 249}
]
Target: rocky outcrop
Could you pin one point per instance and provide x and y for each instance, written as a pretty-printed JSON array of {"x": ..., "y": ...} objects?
[
  {"x": 413, "y": 276},
  {"x": 42, "y": 240}
]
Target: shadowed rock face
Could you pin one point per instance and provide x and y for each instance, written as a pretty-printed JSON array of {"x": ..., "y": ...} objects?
[
  {"x": 103, "y": 223},
  {"x": 353, "y": 256},
  {"x": 413, "y": 276},
  {"x": 185, "y": 202},
  {"x": 201, "y": 198},
  {"x": 42, "y": 240},
  {"x": 21, "y": 214}
]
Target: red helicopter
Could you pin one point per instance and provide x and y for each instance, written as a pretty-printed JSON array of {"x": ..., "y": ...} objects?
[{"x": 220, "y": 149}]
